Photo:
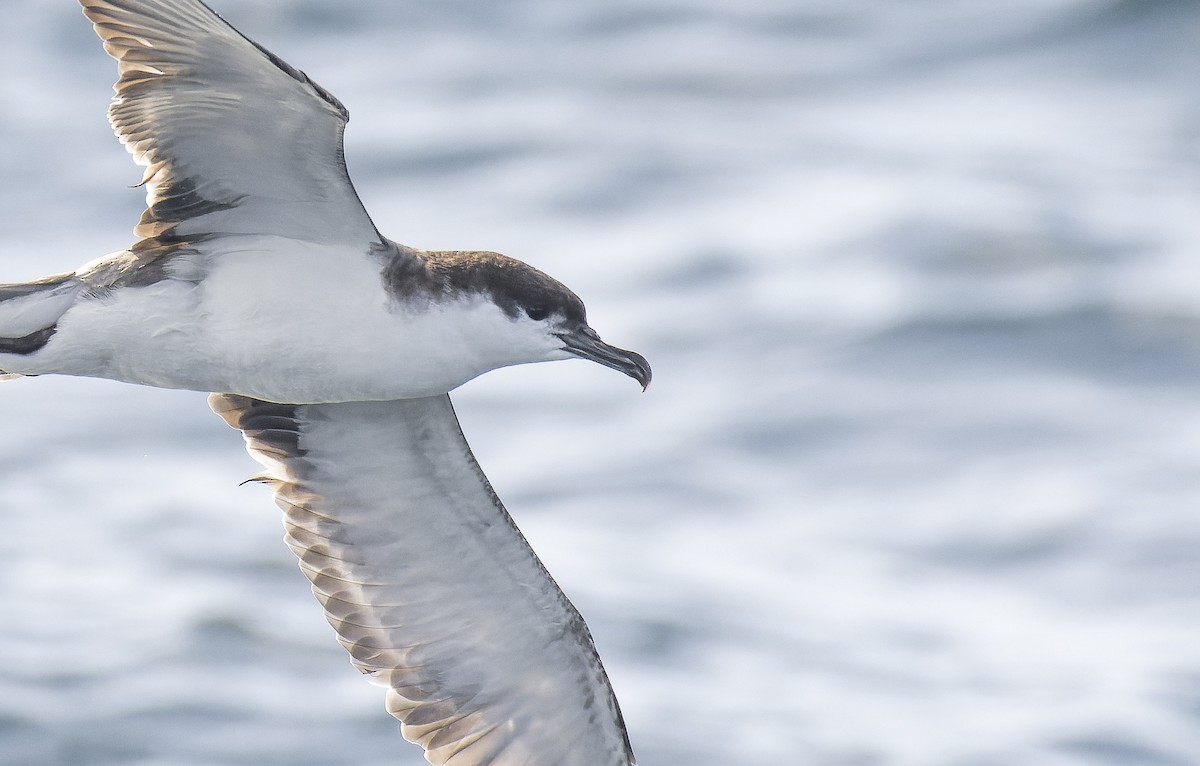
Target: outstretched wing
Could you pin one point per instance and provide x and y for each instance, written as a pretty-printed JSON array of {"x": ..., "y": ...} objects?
[
  {"x": 429, "y": 584},
  {"x": 233, "y": 139}
]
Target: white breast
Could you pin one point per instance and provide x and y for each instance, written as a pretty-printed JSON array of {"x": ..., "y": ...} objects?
[{"x": 284, "y": 321}]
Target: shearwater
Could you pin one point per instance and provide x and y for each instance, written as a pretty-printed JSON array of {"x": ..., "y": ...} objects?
[{"x": 258, "y": 275}]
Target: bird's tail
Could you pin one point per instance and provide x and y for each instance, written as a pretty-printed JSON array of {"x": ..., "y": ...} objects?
[{"x": 29, "y": 314}]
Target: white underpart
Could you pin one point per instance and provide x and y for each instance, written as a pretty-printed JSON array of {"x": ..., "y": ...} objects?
[{"x": 286, "y": 321}]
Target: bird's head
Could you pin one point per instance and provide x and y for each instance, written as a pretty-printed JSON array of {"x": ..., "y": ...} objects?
[{"x": 539, "y": 318}]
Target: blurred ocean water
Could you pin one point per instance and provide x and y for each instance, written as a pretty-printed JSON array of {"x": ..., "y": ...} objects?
[{"x": 916, "y": 483}]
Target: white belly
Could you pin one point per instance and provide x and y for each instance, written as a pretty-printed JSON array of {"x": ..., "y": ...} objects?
[{"x": 276, "y": 320}]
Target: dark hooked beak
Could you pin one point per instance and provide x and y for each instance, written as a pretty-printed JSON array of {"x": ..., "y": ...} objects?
[{"x": 586, "y": 343}]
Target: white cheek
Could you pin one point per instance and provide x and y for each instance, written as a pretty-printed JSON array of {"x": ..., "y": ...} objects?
[{"x": 462, "y": 339}]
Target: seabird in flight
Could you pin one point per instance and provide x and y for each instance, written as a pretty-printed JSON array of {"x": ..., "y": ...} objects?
[{"x": 258, "y": 275}]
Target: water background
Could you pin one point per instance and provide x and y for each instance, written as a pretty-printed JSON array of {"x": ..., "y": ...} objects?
[{"x": 918, "y": 479}]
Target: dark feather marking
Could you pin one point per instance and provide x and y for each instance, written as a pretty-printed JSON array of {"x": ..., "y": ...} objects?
[
  {"x": 512, "y": 285},
  {"x": 273, "y": 428},
  {"x": 179, "y": 200},
  {"x": 29, "y": 343},
  {"x": 148, "y": 266},
  {"x": 153, "y": 256}
]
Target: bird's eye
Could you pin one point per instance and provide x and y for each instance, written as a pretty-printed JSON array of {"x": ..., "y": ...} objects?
[{"x": 537, "y": 313}]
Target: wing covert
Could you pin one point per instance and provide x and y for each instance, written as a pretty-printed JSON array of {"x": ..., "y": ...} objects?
[{"x": 429, "y": 584}]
